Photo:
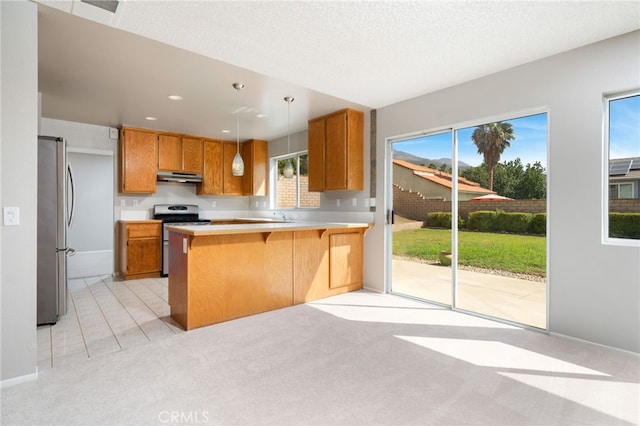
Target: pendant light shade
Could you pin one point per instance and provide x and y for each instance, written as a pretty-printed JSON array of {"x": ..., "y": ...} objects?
[
  {"x": 237, "y": 165},
  {"x": 287, "y": 172}
]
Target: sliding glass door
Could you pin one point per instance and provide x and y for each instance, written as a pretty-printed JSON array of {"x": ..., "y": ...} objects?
[
  {"x": 493, "y": 263},
  {"x": 420, "y": 187}
]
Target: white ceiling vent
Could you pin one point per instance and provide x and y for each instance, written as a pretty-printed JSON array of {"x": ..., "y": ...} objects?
[{"x": 108, "y": 5}]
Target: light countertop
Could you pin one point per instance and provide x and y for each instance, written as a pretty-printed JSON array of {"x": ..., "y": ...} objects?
[{"x": 271, "y": 226}]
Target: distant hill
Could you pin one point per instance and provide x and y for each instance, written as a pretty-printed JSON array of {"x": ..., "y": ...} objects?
[{"x": 405, "y": 156}]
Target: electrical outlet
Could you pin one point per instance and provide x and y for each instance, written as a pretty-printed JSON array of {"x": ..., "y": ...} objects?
[
  {"x": 373, "y": 202},
  {"x": 123, "y": 203},
  {"x": 354, "y": 202},
  {"x": 257, "y": 204},
  {"x": 338, "y": 202},
  {"x": 135, "y": 203},
  {"x": 213, "y": 204},
  {"x": 366, "y": 202}
]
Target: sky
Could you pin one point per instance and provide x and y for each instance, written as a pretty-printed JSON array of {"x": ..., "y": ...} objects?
[
  {"x": 624, "y": 127},
  {"x": 530, "y": 143}
]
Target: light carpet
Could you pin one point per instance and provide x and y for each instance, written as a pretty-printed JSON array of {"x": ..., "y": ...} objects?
[{"x": 357, "y": 359}]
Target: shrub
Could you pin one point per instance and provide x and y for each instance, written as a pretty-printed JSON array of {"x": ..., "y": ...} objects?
[
  {"x": 624, "y": 225},
  {"x": 482, "y": 220},
  {"x": 538, "y": 224},
  {"x": 515, "y": 223},
  {"x": 441, "y": 220}
]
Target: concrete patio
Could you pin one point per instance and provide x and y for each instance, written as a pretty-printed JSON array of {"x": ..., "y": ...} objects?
[{"x": 512, "y": 299}]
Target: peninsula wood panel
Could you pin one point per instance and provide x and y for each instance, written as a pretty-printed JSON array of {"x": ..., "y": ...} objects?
[
  {"x": 345, "y": 260},
  {"x": 232, "y": 276},
  {"x": 178, "y": 290},
  {"x": 310, "y": 265}
]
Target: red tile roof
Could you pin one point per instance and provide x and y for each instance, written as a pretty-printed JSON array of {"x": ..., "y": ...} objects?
[{"x": 443, "y": 178}]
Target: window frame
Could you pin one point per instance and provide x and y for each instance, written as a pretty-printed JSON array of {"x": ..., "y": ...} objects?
[
  {"x": 606, "y": 125},
  {"x": 274, "y": 179}
]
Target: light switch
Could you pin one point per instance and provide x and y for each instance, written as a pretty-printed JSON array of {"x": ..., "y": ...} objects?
[
  {"x": 184, "y": 245},
  {"x": 11, "y": 216},
  {"x": 338, "y": 202}
]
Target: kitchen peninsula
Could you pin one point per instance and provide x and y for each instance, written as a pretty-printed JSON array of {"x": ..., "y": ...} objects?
[{"x": 224, "y": 271}]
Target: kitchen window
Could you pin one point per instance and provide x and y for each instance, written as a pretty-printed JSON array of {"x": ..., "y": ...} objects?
[
  {"x": 292, "y": 193},
  {"x": 621, "y": 206}
]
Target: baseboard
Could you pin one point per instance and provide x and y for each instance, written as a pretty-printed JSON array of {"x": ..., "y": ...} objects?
[
  {"x": 564, "y": 336},
  {"x": 90, "y": 264},
  {"x": 19, "y": 380}
]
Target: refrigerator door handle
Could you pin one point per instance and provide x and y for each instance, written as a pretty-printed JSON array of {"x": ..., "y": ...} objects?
[
  {"x": 70, "y": 252},
  {"x": 73, "y": 196}
]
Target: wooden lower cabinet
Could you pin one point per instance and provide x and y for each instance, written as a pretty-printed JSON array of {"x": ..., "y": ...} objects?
[
  {"x": 223, "y": 277},
  {"x": 140, "y": 249}
]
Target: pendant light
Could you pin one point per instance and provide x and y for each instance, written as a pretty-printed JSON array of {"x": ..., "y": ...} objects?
[
  {"x": 287, "y": 172},
  {"x": 237, "y": 165}
]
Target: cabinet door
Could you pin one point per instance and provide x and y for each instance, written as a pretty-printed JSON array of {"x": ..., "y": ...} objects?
[
  {"x": 336, "y": 152},
  {"x": 316, "y": 154},
  {"x": 192, "y": 158},
  {"x": 169, "y": 153},
  {"x": 144, "y": 255},
  {"x": 138, "y": 167},
  {"x": 212, "y": 169},
  {"x": 255, "y": 155},
  {"x": 232, "y": 185}
]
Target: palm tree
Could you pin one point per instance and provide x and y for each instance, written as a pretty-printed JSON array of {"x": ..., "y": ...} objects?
[{"x": 492, "y": 139}]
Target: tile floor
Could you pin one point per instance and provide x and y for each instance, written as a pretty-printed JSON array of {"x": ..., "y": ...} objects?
[{"x": 106, "y": 314}]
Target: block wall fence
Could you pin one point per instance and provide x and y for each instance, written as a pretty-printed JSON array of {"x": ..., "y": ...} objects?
[{"x": 412, "y": 205}]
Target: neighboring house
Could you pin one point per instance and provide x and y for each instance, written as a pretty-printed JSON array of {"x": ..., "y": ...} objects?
[
  {"x": 432, "y": 183},
  {"x": 624, "y": 178}
]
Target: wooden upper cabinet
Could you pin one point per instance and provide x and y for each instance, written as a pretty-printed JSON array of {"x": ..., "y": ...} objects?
[
  {"x": 192, "y": 155},
  {"x": 336, "y": 157},
  {"x": 137, "y": 165},
  {"x": 232, "y": 185},
  {"x": 316, "y": 154},
  {"x": 212, "y": 168},
  {"x": 169, "y": 152},
  {"x": 256, "y": 165},
  {"x": 178, "y": 153}
]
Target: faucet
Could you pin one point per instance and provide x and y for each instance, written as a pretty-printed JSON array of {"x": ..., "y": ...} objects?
[{"x": 284, "y": 216}]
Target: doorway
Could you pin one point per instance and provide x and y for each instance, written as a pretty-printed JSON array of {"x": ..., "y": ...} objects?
[
  {"x": 91, "y": 230},
  {"x": 469, "y": 221}
]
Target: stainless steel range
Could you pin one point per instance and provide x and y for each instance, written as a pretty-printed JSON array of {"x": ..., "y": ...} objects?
[{"x": 172, "y": 215}]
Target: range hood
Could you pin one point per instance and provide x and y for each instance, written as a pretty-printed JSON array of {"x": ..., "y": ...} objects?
[{"x": 179, "y": 177}]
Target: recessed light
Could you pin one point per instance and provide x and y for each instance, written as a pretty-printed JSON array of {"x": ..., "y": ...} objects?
[
  {"x": 226, "y": 131},
  {"x": 175, "y": 97},
  {"x": 150, "y": 118},
  {"x": 262, "y": 115}
]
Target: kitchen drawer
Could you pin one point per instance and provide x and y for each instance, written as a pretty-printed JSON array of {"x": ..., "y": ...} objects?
[{"x": 142, "y": 230}]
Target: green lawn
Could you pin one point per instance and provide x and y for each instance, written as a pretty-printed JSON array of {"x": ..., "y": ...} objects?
[{"x": 515, "y": 253}]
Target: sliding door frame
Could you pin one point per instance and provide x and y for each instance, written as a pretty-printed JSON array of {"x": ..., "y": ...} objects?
[{"x": 388, "y": 189}]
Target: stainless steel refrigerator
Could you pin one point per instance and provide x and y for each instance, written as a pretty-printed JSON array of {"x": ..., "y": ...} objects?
[{"x": 55, "y": 216}]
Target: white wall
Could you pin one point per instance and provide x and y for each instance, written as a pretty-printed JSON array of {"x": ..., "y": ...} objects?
[
  {"x": 594, "y": 288},
  {"x": 18, "y": 160}
]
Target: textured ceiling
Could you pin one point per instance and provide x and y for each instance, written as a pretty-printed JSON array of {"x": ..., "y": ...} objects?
[{"x": 328, "y": 55}]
